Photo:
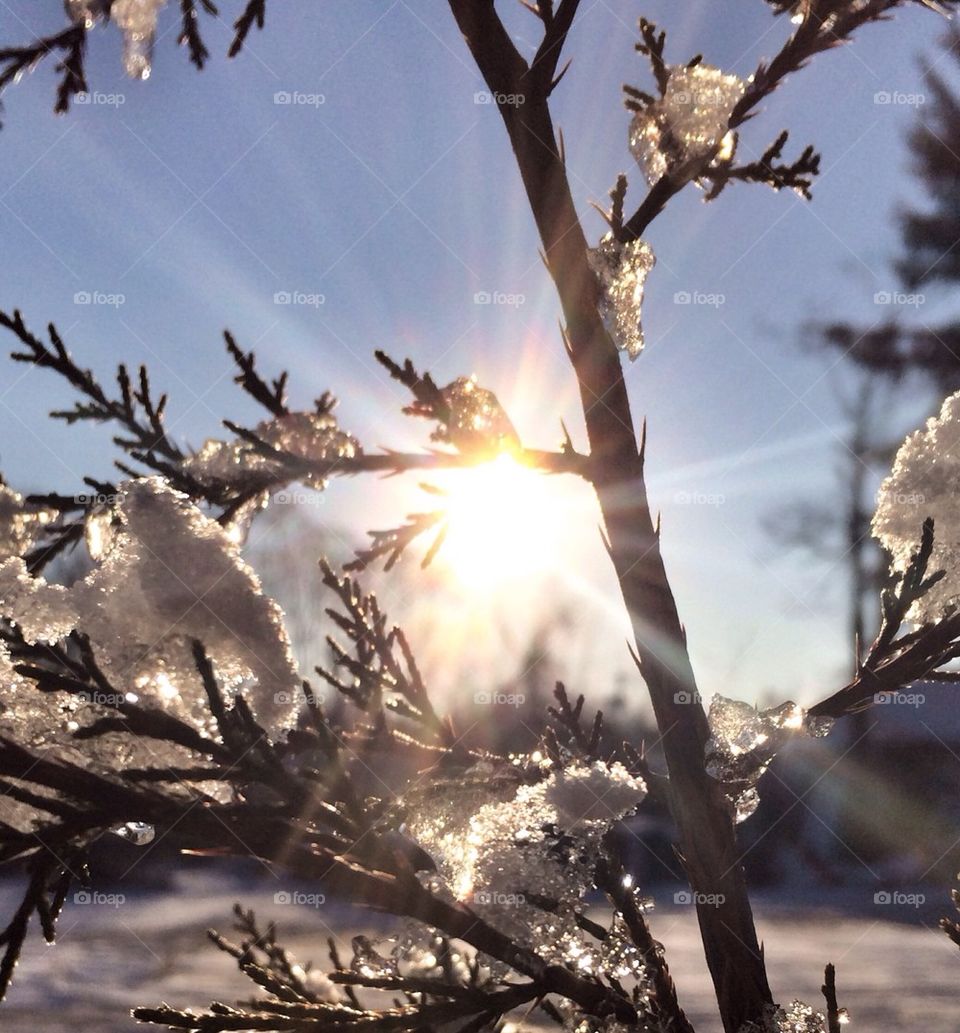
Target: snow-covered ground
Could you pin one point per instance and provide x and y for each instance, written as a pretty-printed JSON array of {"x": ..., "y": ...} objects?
[{"x": 898, "y": 976}]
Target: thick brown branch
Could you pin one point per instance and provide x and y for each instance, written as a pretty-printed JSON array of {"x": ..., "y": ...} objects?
[{"x": 616, "y": 467}]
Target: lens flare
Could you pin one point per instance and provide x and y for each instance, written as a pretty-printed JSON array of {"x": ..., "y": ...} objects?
[{"x": 502, "y": 521}]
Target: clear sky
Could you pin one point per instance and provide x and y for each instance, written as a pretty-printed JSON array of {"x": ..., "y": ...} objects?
[{"x": 199, "y": 198}]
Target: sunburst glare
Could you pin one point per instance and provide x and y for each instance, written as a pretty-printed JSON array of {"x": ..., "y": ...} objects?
[{"x": 502, "y": 524}]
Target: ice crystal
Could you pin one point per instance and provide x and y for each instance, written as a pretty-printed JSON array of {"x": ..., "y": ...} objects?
[
  {"x": 137, "y": 20},
  {"x": 497, "y": 841},
  {"x": 43, "y": 612},
  {"x": 167, "y": 575},
  {"x": 688, "y": 123},
  {"x": 477, "y": 421},
  {"x": 744, "y": 740},
  {"x": 139, "y": 833},
  {"x": 621, "y": 271},
  {"x": 925, "y": 482},
  {"x": 306, "y": 435},
  {"x": 20, "y": 524},
  {"x": 800, "y": 1018}
]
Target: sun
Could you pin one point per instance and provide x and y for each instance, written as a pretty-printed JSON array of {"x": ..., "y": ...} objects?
[{"x": 502, "y": 524}]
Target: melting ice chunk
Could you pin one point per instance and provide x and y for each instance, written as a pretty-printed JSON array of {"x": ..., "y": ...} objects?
[
  {"x": 744, "y": 740},
  {"x": 621, "y": 271},
  {"x": 477, "y": 419},
  {"x": 688, "y": 122},
  {"x": 137, "y": 20}
]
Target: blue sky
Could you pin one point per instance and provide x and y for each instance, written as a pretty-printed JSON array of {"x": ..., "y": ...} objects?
[{"x": 199, "y": 198}]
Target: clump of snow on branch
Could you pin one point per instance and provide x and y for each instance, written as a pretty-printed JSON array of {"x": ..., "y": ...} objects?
[
  {"x": 925, "y": 482},
  {"x": 497, "y": 841},
  {"x": 477, "y": 421},
  {"x": 20, "y": 524},
  {"x": 688, "y": 123},
  {"x": 744, "y": 740},
  {"x": 167, "y": 575},
  {"x": 312, "y": 436},
  {"x": 621, "y": 270},
  {"x": 136, "y": 19}
]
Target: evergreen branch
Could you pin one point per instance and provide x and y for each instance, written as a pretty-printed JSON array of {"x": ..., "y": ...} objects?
[
  {"x": 796, "y": 176},
  {"x": 190, "y": 30},
  {"x": 587, "y": 745},
  {"x": 428, "y": 398},
  {"x": 895, "y": 660},
  {"x": 253, "y": 14},
  {"x": 829, "y": 991},
  {"x": 15, "y": 61},
  {"x": 652, "y": 45},
  {"x": 825, "y": 24},
  {"x": 135, "y": 408},
  {"x": 543, "y": 67},
  {"x": 666, "y": 1007},
  {"x": 383, "y": 658},
  {"x": 271, "y": 396},
  {"x": 391, "y": 543}
]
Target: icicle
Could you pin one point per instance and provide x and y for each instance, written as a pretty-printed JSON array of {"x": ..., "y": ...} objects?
[
  {"x": 925, "y": 482},
  {"x": 688, "y": 122},
  {"x": 139, "y": 833},
  {"x": 621, "y": 271},
  {"x": 137, "y": 20},
  {"x": 478, "y": 422},
  {"x": 745, "y": 740}
]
